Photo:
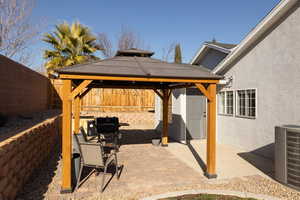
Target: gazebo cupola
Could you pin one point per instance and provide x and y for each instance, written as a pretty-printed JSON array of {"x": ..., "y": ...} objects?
[{"x": 134, "y": 52}]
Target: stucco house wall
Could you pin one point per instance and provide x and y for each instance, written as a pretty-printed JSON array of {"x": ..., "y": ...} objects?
[{"x": 273, "y": 68}]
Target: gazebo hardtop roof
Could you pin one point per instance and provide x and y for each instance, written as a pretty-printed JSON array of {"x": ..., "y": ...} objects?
[{"x": 133, "y": 63}]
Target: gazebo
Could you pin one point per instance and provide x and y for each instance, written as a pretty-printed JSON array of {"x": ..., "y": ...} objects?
[{"x": 134, "y": 69}]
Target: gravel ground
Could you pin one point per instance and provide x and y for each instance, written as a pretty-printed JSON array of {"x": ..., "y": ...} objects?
[
  {"x": 16, "y": 124},
  {"x": 148, "y": 171}
]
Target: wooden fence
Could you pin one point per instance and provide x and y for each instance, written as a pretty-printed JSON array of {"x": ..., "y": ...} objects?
[{"x": 112, "y": 100}]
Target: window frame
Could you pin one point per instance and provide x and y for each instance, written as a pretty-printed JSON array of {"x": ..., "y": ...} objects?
[
  {"x": 237, "y": 106},
  {"x": 225, "y": 103}
]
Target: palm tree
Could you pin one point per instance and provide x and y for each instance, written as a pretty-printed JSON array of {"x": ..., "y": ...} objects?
[{"x": 70, "y": 45}]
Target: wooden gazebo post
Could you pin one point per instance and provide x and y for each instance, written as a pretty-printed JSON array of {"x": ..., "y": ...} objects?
[
  {"x": 66, "y": 137},
  {"x": 165, "y": 132},
  {"x": 210, "y": 94},
  {"x": 77, "y": 114},
  {"x": 165, "y": 96},
  {"x": 211, "y": 130},
  {"x": 70, "y": 95}
]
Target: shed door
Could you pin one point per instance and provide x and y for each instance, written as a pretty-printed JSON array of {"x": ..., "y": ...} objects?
[{"x": 195, "y": 114}]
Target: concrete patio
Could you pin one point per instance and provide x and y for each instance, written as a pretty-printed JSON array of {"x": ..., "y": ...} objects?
[
  {"x": 231, "y": 161},
  {"x": 148, "y": 170}
]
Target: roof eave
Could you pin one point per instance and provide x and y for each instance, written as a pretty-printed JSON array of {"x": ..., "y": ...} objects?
[
  {"x": 219, "y": 48},
  {"x": 216, "y": 77}
]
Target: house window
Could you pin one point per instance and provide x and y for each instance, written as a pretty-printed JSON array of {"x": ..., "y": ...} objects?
[
  {"x": 229, "y": 102},
  {"x": 226, "y": 103},
  {"x": 246, "y": 103},
  {"x": 221, "y": 100}
]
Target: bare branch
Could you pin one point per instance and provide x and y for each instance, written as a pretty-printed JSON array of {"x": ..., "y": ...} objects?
[
  {"x": 105, "y": 44},
  {"x": 168, "y": 53},
  {"x": 16, "y": 31},
  {"x": 128, "y": 39}
]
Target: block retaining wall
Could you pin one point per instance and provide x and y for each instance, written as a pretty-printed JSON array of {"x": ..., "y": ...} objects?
[{"x": 22, "y": 153}]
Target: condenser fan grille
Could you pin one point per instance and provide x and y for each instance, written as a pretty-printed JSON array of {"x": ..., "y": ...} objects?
[{"x": 293, "y": 158}]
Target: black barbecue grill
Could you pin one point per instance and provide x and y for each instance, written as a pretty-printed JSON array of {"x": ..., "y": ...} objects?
[
  {"x": 106, "y": 125},
  {"x": 107, "y": 130}
]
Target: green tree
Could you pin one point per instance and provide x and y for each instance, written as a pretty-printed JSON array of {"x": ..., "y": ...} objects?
[
  {"x": 70, "y": 45},
  {"x": 177, "y": 56}
]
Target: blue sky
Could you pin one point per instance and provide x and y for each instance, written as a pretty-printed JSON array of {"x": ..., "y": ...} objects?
[{"x": 158, "y": 22}]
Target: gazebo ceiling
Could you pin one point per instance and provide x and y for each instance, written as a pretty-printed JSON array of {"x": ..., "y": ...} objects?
[{"x": 138, "y": 63}]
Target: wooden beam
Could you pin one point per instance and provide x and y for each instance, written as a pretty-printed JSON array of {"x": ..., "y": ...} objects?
[
  {"x": 85, "y": 92},
  {"x": 140, "y": 79},
  {"x": 203, "y": 90},
  {"x": 76, "y": 114},
  {"x": 79, "y": 88},
  {"x": 144, "y": 87},
  {"x": 66, "y": 137},
  {"x": 158, "y": 93},
  {"x": 211, "y": 132},
  {"x": 164, "y": 139},
  {"x": 180, "y": 86}
]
